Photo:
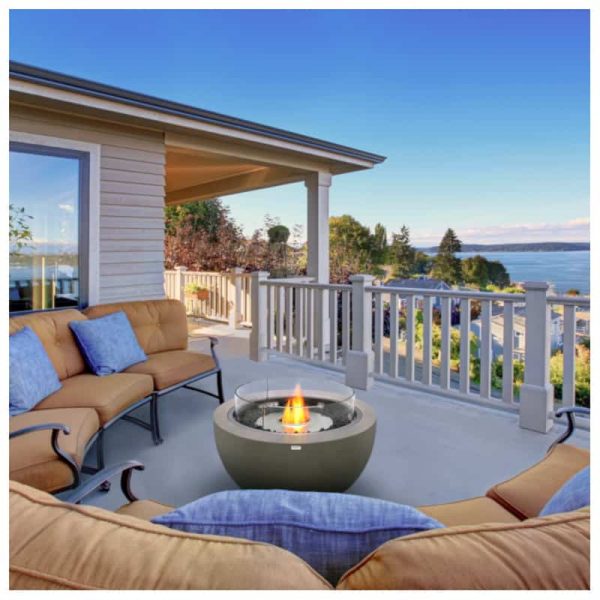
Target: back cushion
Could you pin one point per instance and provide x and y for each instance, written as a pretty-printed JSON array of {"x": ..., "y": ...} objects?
[
  {"x": 159, "y": 325},
  {"x": 528, "y": 492},
  {"x": 96, "y": 549},
  {"x": 549, "y": 553},
  {"x": 53, "y": 330}
]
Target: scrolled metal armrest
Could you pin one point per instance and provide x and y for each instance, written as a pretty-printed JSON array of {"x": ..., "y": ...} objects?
[
  {"x": 55, "y": 427},
  {"x": 125, "y": 469},
  {"x": 570, "y": 411}
]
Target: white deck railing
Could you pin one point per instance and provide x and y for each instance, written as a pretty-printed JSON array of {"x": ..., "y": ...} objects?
[
  {"x": 229, "y": 299},
  {"x": 358, "y": 328}
]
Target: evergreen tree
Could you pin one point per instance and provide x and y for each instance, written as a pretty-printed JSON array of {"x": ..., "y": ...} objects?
[
  {"x": 380, "y": 245},
  {"x": 402, "y": 254},
  {"x": 446, "y": 266}
]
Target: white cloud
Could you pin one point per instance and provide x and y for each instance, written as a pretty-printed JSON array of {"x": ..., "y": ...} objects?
[
  {"x": 67, "y": 208},
  {"x": 575, "y": 230}
]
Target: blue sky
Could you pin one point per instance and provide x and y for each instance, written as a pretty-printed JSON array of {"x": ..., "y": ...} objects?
[{"x": 483, "y": 115}]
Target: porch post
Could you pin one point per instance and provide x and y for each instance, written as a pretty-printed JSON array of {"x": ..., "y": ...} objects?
[
  {"x": 179, "y": 283},
  {"x": 537, "y": 393},
  {"x": 359, "y": 360},
  {"x": 258, "y": 335},
  {"x": 317, "y": 225},
  {"x": 235, "y": 293}
]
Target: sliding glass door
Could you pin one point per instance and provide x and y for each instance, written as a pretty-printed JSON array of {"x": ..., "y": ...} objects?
[{"x": 48, "y": 224}]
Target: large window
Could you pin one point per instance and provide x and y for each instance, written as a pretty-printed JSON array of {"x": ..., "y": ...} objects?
[{"x": 48, "y": 227}]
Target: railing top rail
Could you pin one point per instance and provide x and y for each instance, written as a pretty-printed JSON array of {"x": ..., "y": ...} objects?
[
  {"x": 384, "y": 289},
  {"x": 312, "y": 285},
  {"x": 214, "y": 273},
  {"x": 569, "y": 300}
]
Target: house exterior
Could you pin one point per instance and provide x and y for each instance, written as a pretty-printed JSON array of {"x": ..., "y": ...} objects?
[
  {"x": 93, "y": 167},
  {"x": 423, "y": 283}
]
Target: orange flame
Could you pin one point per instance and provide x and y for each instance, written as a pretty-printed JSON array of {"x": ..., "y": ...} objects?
[{"x": 295, "y": 413}]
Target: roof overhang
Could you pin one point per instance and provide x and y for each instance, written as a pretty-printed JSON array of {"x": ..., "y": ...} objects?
[{"x": 186, "y": 127}]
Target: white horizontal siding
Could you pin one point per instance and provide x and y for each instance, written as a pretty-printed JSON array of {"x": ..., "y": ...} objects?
[{"x": 132, "y": 197}]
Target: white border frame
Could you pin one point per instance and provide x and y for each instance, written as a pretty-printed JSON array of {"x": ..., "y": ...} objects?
[{"x": 93, "y": 150}]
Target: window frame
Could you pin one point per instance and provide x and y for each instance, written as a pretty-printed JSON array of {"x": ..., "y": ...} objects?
[{"x": 88, "y": 205}]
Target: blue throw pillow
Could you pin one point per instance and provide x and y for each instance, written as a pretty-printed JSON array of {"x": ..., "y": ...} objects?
[
  {"x": 32, "y": 375},
  {"x": 574, "y": 494},
  {"x": 331, "y": 532},
  {"x": 108, "y": 343}
]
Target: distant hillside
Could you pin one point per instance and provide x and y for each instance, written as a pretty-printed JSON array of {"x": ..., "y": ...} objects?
[{"x": 532, "y": 247}]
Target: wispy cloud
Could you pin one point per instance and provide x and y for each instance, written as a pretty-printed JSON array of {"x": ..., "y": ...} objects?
[
  {"x": 576, "y": 230},
  {"x": 67, "y": 207}
]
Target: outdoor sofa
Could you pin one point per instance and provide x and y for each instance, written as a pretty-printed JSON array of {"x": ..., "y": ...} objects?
[
  {"x": 48, "y": 443},
  {"x": 496, "y": 541}
]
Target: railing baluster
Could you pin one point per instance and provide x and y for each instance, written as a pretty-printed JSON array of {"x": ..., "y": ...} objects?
[
  {"x": 427, "y": 322},
  {"x": 378, "y": 366},
  {"x": 280, "y": 300},
  {"x": 569, "y": 352},
  {"x": 345, "y": 324},
  {"x": 465, "y": 345},
  {"x": 321, "y": 312},
  {"x": 445, "y": 343},
  {"x": 409, "y": 367},
  {"x": 507, "y": 353},
  {"x": 270, "y": 316},
  {"x": 393, "y": 334},
  {"x": 485, "y": 350},
  {"x": 333, "y": 326},
  {"x": 310, "y": 318},
  {"x": 299, "y": 321},
  {"x": 289, "y": 319}
]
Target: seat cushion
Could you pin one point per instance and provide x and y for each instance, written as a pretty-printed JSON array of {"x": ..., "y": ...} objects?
[
  {"x": 32, "y": 460},
  {"x": 53, "y": 330},
  {"x": 469, "y": 512},
  {"x": 528, "y": 492},
  {"x": 545, "y": 553},
  {"x": 108, "y": 395},
  {"x": 145, "y": 509},
  {"x": 159, "y": 325},
  {"x": 92, "y": 548},
  {"x": 173, "y": 367}
]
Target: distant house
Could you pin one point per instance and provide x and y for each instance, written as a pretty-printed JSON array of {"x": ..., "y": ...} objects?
[
  {"x": 497, "y": 326},
  {"x": 420, "y": 284}
]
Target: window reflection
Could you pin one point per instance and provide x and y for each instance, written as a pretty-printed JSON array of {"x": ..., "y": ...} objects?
[{"x": 44, "y": 230}]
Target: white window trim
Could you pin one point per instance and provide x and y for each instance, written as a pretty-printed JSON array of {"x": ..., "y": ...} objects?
[{"x": 93, "y": 258}]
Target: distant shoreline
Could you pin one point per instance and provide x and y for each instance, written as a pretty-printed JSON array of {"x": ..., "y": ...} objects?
[{"x": 528, "y": 247}]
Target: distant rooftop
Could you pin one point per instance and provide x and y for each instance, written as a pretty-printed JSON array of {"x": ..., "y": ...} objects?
[{"x": 421, "y": 284}]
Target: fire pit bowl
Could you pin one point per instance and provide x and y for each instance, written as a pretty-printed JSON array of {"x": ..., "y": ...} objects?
[{"x": 296, "y": 435}]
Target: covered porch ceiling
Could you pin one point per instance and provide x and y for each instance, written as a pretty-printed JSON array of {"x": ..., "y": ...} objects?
[{"x": 195, "y": 174}]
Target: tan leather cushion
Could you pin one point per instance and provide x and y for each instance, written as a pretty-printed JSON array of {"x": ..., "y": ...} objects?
[
  {"x": 145, "y": 509},
  {"x": 108, "y": 395},
  {"x": 543, "y": 553},
  {"x": 469, "y": 512},
  {"x": 53, "y": 330},
  {"x": 53, "y": 544},
  {"x": 159, "y": 325},
  {"x": 32, "y": 460},
  {"x": 528, "y": 492},
  {"x": 175, "y": 366}
]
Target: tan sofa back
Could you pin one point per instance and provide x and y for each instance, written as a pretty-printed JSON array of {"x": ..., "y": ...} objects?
[
  {"x": 159, "y": 325},
  {"x": 549, "y": 553},
  {"x": 92, "y": 548},
  {"x": 53, "y": 330}
]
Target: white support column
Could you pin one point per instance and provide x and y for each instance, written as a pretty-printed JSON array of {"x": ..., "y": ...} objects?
[
  {"x": 235, "y": 297},
  {"x": 258, "y": 335},
  {"x": 179, "y": 283},
  {"x": 537, "y": 394},
  {"x": 359, "y": 362},
  {"x": 317, "y": 225}
]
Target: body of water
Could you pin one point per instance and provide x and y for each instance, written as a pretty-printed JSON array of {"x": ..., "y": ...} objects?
[{"x": 564, "y": 270}]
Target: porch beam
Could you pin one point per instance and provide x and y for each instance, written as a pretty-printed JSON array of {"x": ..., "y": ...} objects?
[
  {"x": 317, "y": 200},
  {"x": 261, "y": 177}
]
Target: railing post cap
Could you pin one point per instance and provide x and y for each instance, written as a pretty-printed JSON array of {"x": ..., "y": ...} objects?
[
  {"x": 260, "y": 274},
  {"x": 536, "y": 285},
  {"x": 237, "y": 270},
  {"x": 360, "y": 277},
  {"x": 180, "y": 268}
]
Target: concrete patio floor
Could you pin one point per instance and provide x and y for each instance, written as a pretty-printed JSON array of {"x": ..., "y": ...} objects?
[{"x": 428, "y": 449}]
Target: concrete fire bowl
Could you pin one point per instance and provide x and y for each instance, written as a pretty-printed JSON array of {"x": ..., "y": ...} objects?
[{"x": 327, "y": 461}]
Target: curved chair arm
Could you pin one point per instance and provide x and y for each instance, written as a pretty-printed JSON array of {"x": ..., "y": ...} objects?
[
  {"x": 570, "y": 411},
  {"x": 56, "y": 428},
  {"x": 125, "y": 469},
  {"x": 213, "y": 342}
]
